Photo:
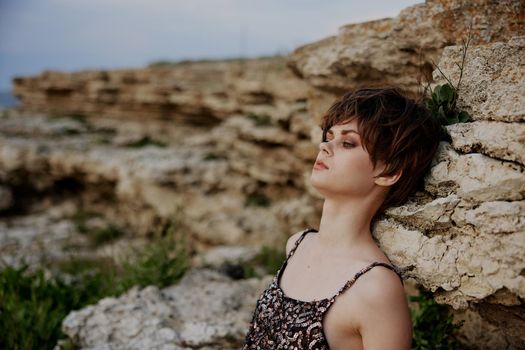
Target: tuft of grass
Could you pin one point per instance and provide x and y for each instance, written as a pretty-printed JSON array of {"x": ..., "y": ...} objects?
[
  {"x": 77, "y": 265},
  {"x": 104, "y": 235},
  {"x": 433, "y": 328},
  {"x": 162, "y": 263},
  {"x": 32, "y": 306}
]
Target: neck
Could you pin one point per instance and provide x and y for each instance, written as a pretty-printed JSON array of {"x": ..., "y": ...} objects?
[{"x": 345, "y": 225}]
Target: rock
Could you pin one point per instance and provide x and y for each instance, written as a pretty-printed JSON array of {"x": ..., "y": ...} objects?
[
  {"x": 501, "y": 140},
  {"x": 201, "y": 94},
  {"x": 396, "y": 50},
  {"x": 493, "y": 82},
  {"x": 223, "y": 254},
  {"x": 205, "y": 310},
  {"x": 475, "y": 177}
]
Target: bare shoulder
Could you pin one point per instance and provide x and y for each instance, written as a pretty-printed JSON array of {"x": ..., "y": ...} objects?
[
  {"x": 291, "y": 241},
  {"x": 380, "y": 281},
  {"x": 382, "y": 309}
]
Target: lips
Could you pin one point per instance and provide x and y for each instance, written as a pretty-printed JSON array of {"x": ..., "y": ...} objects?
[{"x": 321, "y": 164}]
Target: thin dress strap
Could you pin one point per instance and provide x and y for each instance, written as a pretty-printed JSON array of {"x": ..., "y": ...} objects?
[
  {"x": 364, "y": 270},
  {"x": 292, "y": 251}
]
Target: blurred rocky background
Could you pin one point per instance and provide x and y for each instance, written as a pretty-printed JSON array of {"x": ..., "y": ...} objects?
[{"x": 176, "y": 174}]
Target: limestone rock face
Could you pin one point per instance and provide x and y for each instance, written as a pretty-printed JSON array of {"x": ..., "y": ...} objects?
[
  {"x": 396, "y": 50},
  {"x": 493, "y": 82},
  {"x": 464, "y": 238},
  {"x": 196, "y": 93},
  {"x": 214, "y": 178}
]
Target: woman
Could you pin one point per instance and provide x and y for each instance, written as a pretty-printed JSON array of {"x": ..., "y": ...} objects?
[{"x": 377, "y": 146}]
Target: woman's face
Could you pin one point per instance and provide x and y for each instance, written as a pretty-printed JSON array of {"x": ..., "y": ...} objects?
[{"x": 350, "y": 171}]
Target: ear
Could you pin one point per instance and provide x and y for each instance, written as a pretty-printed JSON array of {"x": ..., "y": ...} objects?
[{"x": 386, "y": 180}]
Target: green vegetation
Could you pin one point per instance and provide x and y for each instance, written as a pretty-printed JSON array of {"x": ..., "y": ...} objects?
[
  {"x": 32, "y": 305},
  {"x": 267, "y": 261},
  {"x": 441, "y": 100},
  {"x": 146, "y": 141},
  {"x": 96, "y": 235},
  {"x": 443, "y": 105},
  {"x": 260, "y": 120},
  {"x": 106, "y": 234},
  {"x": 270, "y": 259},
  {"x": 212, "y": 156},
  {"x": 257, "y": 199},
  {"x": 433, "y": 328},
  {"x": 71, "y": 131},
  {"x": 162, "y": 263},
  {"x": 32, "y": 308},
  {"x": 103, "y": 140}
]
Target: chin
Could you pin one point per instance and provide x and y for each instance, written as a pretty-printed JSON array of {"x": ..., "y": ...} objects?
[{"x": 319, "y": 185}]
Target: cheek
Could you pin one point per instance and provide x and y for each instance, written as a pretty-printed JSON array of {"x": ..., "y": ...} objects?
[
  {"x": 355, "y": 167},
  {"x": 355, "y": 161}
]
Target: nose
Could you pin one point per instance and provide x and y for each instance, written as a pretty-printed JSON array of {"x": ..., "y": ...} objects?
[{"x": 325, "y": 146}]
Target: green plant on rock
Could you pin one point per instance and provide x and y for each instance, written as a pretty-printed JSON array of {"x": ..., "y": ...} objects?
[
  {"x": 443, "y": 105},
  {"x": 433, "y": 327},
  {"x": 441, "y": 100}
]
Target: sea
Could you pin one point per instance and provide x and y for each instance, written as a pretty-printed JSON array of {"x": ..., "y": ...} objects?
[{"x": 7, "y": 99}]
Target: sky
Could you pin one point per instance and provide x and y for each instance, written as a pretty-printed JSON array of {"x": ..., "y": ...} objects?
[{"x": 70, "y": 35}]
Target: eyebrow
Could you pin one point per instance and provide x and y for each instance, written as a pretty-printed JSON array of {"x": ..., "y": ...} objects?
[{"x": 343, "y": 132}]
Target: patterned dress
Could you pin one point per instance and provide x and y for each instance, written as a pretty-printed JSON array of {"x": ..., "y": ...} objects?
[{"x": 280, "y": 322}]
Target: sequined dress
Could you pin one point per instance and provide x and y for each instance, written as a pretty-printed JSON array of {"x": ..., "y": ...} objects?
[{"x": 280, "y": 322}]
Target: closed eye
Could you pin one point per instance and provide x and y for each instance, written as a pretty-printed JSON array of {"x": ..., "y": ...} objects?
[{"x": 345, "y": 144}]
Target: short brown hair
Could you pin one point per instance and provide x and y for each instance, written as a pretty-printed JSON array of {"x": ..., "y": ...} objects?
[{"x": 395, "y": 129}]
